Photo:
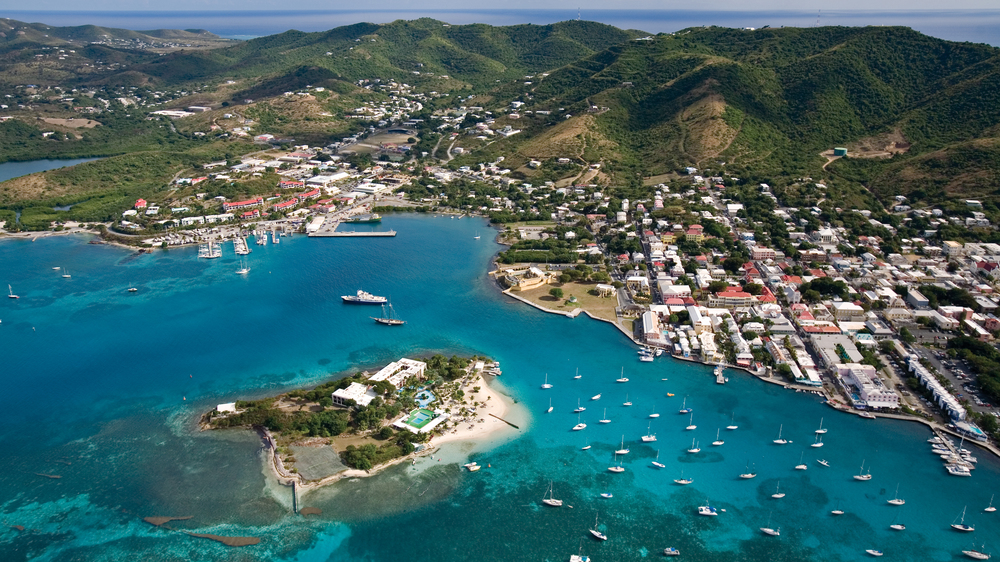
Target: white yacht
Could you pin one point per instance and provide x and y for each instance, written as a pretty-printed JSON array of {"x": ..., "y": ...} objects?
[
  {"x": 684, "y": 409},
  {"x": 626, "y": 402},
  {"x": 732, "y": 423},
  {"x": 549, "y": 411},
  {"x": 597, "y": 533},
  {"x": 605, "y": 418},
  {"x": 977, "y": 554},
  {"x": 874, "y": 552},
  {"x": 768, "y": 530},
  {"x": 654, "y": 414},
  {"x": 861, "y": 474},
  {"x": 694, "y": 448},
  {"x": 578, "y": 375},
  {"x": 961, "y": 526},
  {"x": 579, "y": 425},
  {"x": 657, "y": 462},
  {"x": 748, "y": 474},
  {"x": 819, "y": 441},
  {"x": 550, "y": 500},
  {"x": 779, "y": 440},
  {"x": 595, "y": 397},
  {"x": 622, "y": 378},
  {"x": 707, "y": 510},
  {"x": 990, "y": 509},
  {"x": 801, "y": 465},
  {"x": 895, "y": 499},
  {"x": 718, "y": 442},
  {"x": 616, "y": 468},
  {"x": 579, "y": 408},
  {"x": 823, "y": 462},
  {"x": 649, "y": 437},
  {"x": 683, "y": 481},
  {"x": 778, "y": 494},
  {"x": 546, "y": 384},
  {"x": 623, "y": 450},
  {"x": 586, "y": 445},
  {"x": 821, "y": 430},
  {"x": 691, "y": 426}
]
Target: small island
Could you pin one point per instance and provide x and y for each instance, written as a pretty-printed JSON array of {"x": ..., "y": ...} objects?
[{"x": 356, "y": 425}]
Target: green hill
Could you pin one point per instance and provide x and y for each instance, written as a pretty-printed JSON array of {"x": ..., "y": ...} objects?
[{"x": 767, "y": 102}]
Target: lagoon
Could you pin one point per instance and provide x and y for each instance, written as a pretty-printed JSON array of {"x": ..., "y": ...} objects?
[
  {"x": 103, "y": 388},
  {"x": 10, "y": 170}
]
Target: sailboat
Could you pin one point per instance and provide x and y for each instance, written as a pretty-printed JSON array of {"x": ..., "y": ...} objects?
[
  {"x": 977, "y": 554},
  {"x": 476, "y": 237},
  {"x": 768, "y": 530},
  {"x": 622, "y": 378},
  {"x": 551, "y": 501},
  {"x": 691, "y": 426},
  {"x": 131, "y": 289},
  {"x": 10, "y": 293},
  {"x": 837, "y": 511},
  {"x": 779, "y": 440},
  {"x": 897, "y": 526},
  {"x": 648, "y": 437},
  {"x": 388, "y": 317},
  {"x": 821, "y": 430},
  {"x": 861, "y": 474},
  {"x": 748, "y": 474},
  {"x": 961, "y": 526},
  {"x": 990, "y": 509},
  {"x": 801, "y": 465},
  {"x": 778, "y": 494},
  {"x": 683, "y": 481},
  {"x": 819, "y": 441},
  {"x": 627, "y": 401},
  {"x": 597, "y": 533},
  {"x": 732, "y": 423},
  {"x": 549, "y": 411},
  {"x": 578, "y": 375},
  {"x": 717, "y": 441},
  {"x": 579, "y": 408},
  {"x": 654, "y": 414},
  {"x": 579, "y": 424},
  {"x": 684, "y": 409},
  {"x": 66, "y": 274},
  {"x": 895, "y": 499},
  {"x": 657, "y": 462},
  {"x": 546, "y": 384},
  {"x": 694, "y": 448},
  {"x": 243, "y": 270},
  {"x": 616, "y": 468},
  {"x": 875, "y": 553},
  {"x": 623, "y": 450},
  {"x": 605, "y": 420},
  {"x": 586, "y": 446}
]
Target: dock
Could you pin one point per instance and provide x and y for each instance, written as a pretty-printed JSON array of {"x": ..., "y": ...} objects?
[
  {"x": 240, "y": 245},
  {"x": 352, "y": 233}
]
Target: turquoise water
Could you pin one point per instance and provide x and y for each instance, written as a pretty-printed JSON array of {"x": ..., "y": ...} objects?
[
  {"x": 103, "y": 388},
  {"x": 10, "y": 170}
]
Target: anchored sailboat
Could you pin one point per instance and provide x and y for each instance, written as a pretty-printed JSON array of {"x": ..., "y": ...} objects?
[
  {"x": 388, "y": 317},
  {"x": 551, "y": 501}
]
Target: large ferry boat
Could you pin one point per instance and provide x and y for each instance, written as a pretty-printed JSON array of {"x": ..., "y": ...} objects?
[
  {"x": 364, "y": 219},
  {"x": 364, "y": 298}
]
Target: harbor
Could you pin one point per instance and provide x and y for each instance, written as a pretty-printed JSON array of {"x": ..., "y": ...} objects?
[{"x": 327, "y": 228}]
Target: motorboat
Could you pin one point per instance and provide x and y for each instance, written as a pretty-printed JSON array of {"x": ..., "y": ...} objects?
[
  {"x": 644, "y": 359},
  {"x": 595, "y": 397},
  {"x": 671, "y": 551},
  {"x": 607, "y": 495},
  {"x": 472, "y": 466},
  {"x": 364, "y": 297},
  {"x": 770, "y": 531},
  {"x": 707, "y": 510},
  {"x": 874, "y": 552},
  {"x": 867, "y": 415},
  {"x": 823, "y": 462},
  {"x": 957, "y": 470},
  {"x": 897, "y": 527}
]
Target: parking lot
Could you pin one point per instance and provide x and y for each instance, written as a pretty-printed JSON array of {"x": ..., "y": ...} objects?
[{"x": 958, "y": 373}]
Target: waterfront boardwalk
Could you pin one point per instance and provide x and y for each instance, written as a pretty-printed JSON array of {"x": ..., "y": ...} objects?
[{"x": 329, "y": 230}]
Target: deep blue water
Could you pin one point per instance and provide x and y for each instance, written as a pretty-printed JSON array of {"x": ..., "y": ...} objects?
[
  {"x": 103, "y": 387},
  {"x": 978, "y": 26},
  {"x": 10, "y": 170}
]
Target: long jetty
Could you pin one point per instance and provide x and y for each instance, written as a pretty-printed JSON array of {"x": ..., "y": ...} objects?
[{"x": 389, "y": 233}]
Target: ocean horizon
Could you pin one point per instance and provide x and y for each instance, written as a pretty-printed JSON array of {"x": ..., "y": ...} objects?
[
  {"x": 977, "y": 26},
  {"x": 104, "y": 389}
]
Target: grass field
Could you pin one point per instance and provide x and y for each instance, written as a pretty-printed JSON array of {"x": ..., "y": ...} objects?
[{"x": 600, "y": 307}]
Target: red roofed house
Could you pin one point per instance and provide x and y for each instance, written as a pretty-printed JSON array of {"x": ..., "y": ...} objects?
[
  {"x": 243, "y": 204},
  {"x": 766, "y": 296},
  {"x": 991, "y": 269},
  {"x": 289, "y": 184},
  {"x": 254, "y": 214},
  {"x": 140, "y": 204},
  {"x": 196, "y": 181},
  {"x": 286, "y": 205},
  {"x": 731, "y": 297},
  {"x": 308, "y": 195},
  {"x": 791, "y": 280},
  {"x": 696, "y": 232}
]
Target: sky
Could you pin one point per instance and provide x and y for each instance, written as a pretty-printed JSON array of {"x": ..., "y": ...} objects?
[{"x": 571, "y": 5}]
